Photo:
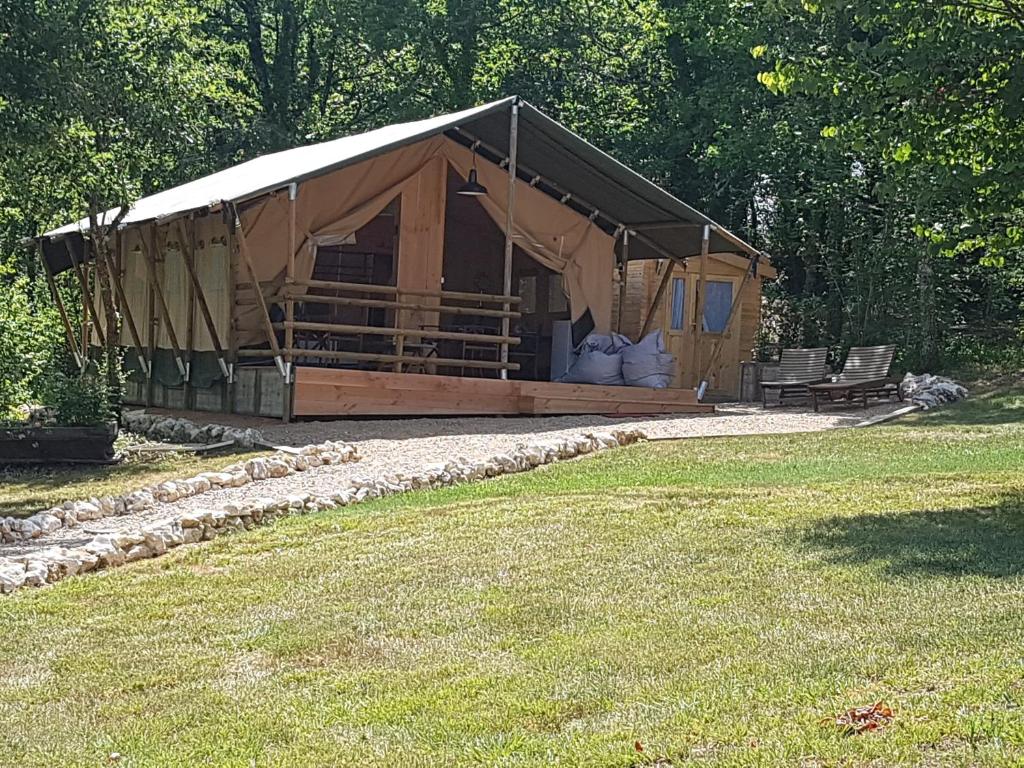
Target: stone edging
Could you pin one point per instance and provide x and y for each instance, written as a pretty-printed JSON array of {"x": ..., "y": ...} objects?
[
  {"x": 156, "y": 426},
  {"x": 112, "y": 550},
  {"x": 71, "y": 513}
]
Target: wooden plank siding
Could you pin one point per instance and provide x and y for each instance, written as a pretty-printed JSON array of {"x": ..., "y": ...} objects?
[{"x": 334, "y": 392}]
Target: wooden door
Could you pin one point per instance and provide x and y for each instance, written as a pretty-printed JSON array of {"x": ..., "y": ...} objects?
[
  {"x": 677, "y": 322},
  {"x": 720, "y": 368}
]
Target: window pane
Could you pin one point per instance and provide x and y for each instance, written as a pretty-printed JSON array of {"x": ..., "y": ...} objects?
[
  {"x": 717, "y": 304},
  {"x": 528, "y": 294},
  {"x": 557, "y": 300},
  {"x": 678, "y": 296}
]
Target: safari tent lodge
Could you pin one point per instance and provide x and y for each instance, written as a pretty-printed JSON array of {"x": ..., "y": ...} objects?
[{"x": 448, "y": 266}]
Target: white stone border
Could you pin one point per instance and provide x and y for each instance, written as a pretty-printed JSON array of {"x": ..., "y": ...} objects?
[
  {"x": 71, "y": 513},
  {"x": 158, "y": 426},
  {"x": 111, "y": 550}
]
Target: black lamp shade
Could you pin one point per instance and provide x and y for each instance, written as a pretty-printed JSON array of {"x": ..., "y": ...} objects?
[{"x": 472, "y": 188}]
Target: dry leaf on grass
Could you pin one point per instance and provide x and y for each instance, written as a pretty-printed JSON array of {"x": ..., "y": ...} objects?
[{"x": 860, "y": 719}]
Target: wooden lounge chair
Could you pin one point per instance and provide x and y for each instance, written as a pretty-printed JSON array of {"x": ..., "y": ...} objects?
[
  {"x": 865, "y": 374},
  {"x": 798, "y": 369}
]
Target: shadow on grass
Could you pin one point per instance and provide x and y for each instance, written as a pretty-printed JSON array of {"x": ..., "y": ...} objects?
[{"x": 974, "y": 541}]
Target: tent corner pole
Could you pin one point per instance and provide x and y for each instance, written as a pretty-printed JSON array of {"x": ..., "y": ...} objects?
[
  {"x": 623, "y": 276},
  {"x": 61, "y": 309},
  {"x": 289, "y": 309},
  {"x": 652, "y": 312},
  {"x": 698, "y": 322},
  {"x": 513, "y": 152}
]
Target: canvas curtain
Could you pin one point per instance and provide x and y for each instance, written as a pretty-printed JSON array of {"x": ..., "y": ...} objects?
[
  {"x": 553, "y": 234},
  {"x": 337, "y": 204}
]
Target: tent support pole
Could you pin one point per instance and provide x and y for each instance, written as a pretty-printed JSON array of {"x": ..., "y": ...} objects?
[
  {"x": 698, "y": 329},
  {"x": 87, "y": 300},
  {"x": 61, "y": 309},
  {"x": 506, "y": 285},
  {"x": 149, "y": 253},
  {"x": 268, "y": 325},
  {"x": 623, "y": 276},
  {"x": 665, "y": 278},
  {"x": 200, "y": 297},
  {"x": 114, "y": 271},
  {"x": 289, "y": 308},
  {"x": 187, "y": 254}
]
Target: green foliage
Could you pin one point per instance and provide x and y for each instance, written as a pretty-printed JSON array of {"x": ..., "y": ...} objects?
[
  {"x": 80, "y": 400},
  {"x": 874, "y": 149}
]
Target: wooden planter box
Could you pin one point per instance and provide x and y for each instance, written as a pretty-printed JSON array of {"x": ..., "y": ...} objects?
[{"x": 57, "y": 445}]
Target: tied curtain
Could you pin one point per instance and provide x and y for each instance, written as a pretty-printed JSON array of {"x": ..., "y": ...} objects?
[{"x": 332, "y": 207}]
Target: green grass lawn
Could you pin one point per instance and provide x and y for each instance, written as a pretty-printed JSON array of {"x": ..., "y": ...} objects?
[{"x": 714, "y": 600}]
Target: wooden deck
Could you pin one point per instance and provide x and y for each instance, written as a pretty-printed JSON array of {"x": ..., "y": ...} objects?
[{"x": 333, "y": 392}]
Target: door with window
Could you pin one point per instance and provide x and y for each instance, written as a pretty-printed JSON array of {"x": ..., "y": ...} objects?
[
  {"x": 680, "y": 308},
  {"x": 677, "y": 325},
  {"x": 721, "y": 372}
]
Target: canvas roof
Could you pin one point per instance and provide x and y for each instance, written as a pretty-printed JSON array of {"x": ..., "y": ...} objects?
[{"x": 564, "y": 160}]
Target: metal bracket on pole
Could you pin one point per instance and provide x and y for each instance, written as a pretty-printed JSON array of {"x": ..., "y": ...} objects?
[
  {"x": 226, "y": 370},
  {"x": 285, "y": 369},
  {"x": 293, "y": 191}
]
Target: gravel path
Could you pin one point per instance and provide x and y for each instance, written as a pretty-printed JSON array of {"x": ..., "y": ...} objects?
[{"x": 403, "y": 446}]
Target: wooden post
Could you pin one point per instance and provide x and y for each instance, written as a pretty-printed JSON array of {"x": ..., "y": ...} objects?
[
  {"x": 268, "y": 325},
  {"x": 198, "y": 294},
  {"x": 623, "y": 272},
  {"x": 665, "y": 279},
  {"x": 61, "y": 309},
  {"x": 152, "y": 321},
  {"x": 185, "y": 249},
  {"x": 698, "y": 331},
  {"x": 114, "y": 272},
  {"x": 88, "y": 306},
  {"x": 513, "y": 151},
  {"x": 150, "y": 253},
  {"x": 289, "y": 307},
  {"x": 230, "y": 384}
]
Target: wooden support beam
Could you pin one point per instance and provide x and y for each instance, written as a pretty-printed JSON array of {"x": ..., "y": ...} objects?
[
  {"x": 289, "y": 306},
  {"x": 393, "y": 290},
  {"x": 652, "y": 312},
  {"x": 314, "y": 298},
  {"x": 186, "y": 247},
  {"x": 510, "y": 207},
  {"x": 623, "y": 273},
  {"x": 417, "y": 333},
  {"x": 330, "y": 354},
  {"x": 200, "y": 297},
  {"x": 149, "y": 253},
  {"x": 698, "y": 331},
  {"x": 88, "y": 304},
  {"x": 268, "y": 325},
  {"x": 114, "y": 271},
  {"x": 69, "y": 331}
]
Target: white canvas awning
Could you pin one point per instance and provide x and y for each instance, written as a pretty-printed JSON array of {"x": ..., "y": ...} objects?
[{"x": 565, "y": 163}]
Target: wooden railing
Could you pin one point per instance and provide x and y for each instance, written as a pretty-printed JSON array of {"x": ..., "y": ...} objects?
[{"x": 401, "y": 301}]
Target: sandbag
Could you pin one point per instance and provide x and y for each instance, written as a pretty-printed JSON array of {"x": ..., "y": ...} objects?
[
  {"x": 647, "y": 369},
  {"x": 599, "y": 342},
  {"x": 653, "y": 342},
  {"x": 595, "y": 367}
]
